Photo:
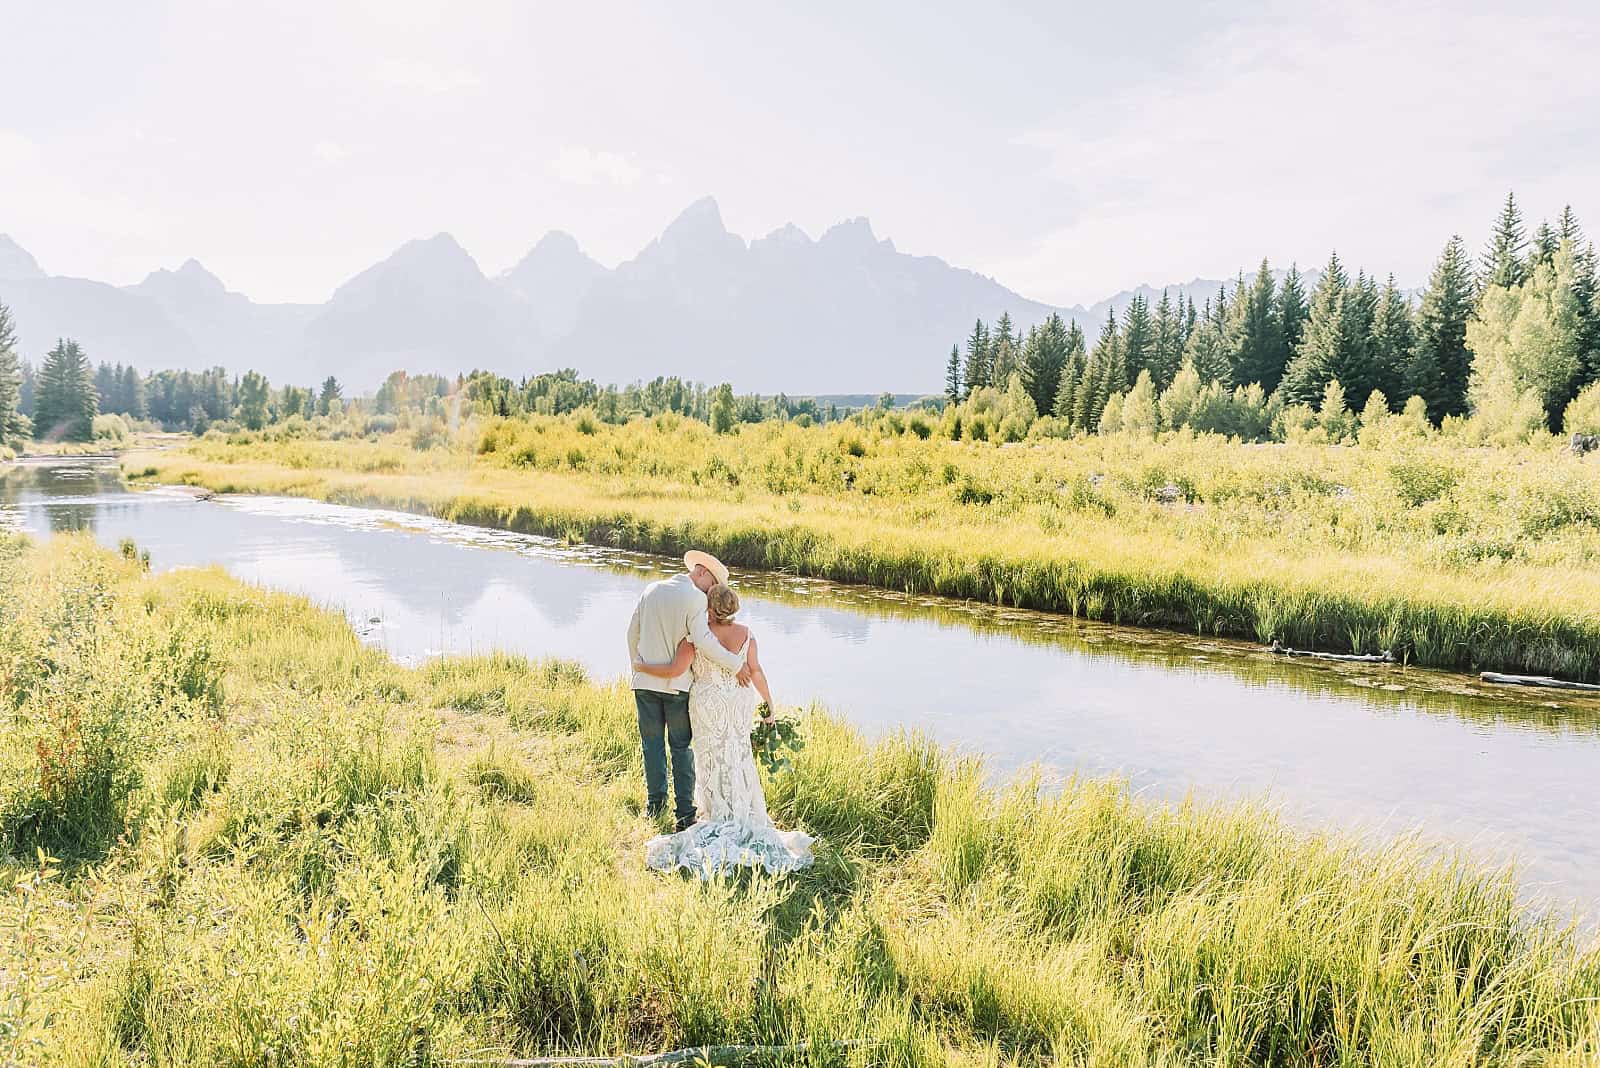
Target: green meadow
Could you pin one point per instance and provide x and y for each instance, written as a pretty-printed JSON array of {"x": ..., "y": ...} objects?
[{"x": 234, "y": 835}]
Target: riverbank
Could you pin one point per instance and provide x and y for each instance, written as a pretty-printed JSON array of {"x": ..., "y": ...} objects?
[
  {"x": 1489, "y": 567},
  {"x": 279, "y": 845}
]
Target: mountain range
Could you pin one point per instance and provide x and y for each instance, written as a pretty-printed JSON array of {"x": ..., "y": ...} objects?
[{"x": 845, "y": 312}]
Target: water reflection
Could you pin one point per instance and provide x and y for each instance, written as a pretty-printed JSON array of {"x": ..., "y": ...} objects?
[
  {"x": 70, "y": 491},
  {"x": 1511, "y": 773}
]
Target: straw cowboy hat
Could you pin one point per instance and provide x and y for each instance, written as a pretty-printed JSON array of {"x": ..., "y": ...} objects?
[{"x": 695, "y": 558}]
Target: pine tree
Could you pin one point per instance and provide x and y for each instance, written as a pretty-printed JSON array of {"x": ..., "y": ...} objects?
[
  {"x": 105, "y": 387},
  {"x": 1543, "y": 248},
  {"x": 1292, "y": 312},
  {"x": 1189, "y": 319},
  {"x": 1005, "y": 352},
  {"x": 1207, "y": 353},
  {"x": 1043, "y": 361},
  {"x": 1336, "y": 343},
  {"x": 66, "y": 403},
  {"x": 1442, "y": 362},
  {"x": 724, "y": 413},
  {"x": 1104, "y": 375},
  {"x": 254, "y": 396},
  {"x": 11, "y": 420},
  {"x": 1072, "y": 373},
  {"x": 1567, "y": 229},
  {"x": 133, "y": 394},
  {"x": 979, "y": 370},
  {"x": 1503, "y": 264},
  {"x": 331, "y": 392},
  {"x": 1255, "y": 337},
  {"x": 1587, "y": 291},
  {"x": 1138, "y": 337},
  {"x": 1394, "y": 341},
  {"x": 952, "y": 376},
  {"x": 1166, "y": 353}
]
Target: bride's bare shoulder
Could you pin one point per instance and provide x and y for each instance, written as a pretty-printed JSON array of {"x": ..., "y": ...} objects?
[{"x": 731, "y": 636}]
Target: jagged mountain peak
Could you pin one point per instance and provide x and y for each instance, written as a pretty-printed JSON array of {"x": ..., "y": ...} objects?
[
  {"x": 856, "y": 232},
  {"x": 786, "y": 236},
  {"x": 553, "y": 278},
  {"x": 557, "y": 241},
  {"x": 438, "y": 261},
  {"x": 556, "y": 250},
  {"x": 441, "y": 247},
  {"x": 698, "y": 224},
  {"x": 191, "y": 277},
  {"x": 16, "y": 262}
]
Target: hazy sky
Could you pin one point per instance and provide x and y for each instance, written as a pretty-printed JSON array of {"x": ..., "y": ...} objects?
[{"x": 1068, "y": 150}]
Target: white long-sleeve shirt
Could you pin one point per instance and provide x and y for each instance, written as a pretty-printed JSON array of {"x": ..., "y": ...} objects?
[{"x": 671, "y": 610}]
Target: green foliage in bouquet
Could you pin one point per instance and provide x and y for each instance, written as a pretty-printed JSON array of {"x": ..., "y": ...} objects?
[{"x": 775, "y": 742}]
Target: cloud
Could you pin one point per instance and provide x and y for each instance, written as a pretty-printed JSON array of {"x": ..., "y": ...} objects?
[
  {"x": 1372, "y": 128},
  {"x": 585, "y": 166},
  {"x": 425, "y": 78},
  {"x": 330, "y": 151}
]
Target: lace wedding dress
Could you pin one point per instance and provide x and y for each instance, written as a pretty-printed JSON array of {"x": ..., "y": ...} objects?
[{"x": 733, "y": 827}]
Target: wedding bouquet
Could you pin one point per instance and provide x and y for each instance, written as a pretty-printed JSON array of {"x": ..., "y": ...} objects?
[{"x": 775, "y": 742}]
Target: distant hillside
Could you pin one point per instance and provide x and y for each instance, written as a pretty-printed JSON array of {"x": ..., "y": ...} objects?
[{"x": 845, "y": 313}]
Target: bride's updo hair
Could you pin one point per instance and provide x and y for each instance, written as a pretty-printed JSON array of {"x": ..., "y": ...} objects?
[{"x": 723, "y": 602}]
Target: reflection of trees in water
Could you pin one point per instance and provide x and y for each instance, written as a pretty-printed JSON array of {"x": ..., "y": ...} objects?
[
  {"x": 65, "y": 518},
  {"x": 62, "y": 492}
]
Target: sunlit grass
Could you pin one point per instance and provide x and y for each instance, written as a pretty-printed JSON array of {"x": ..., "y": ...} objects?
[{"x": 340, "y": 860}]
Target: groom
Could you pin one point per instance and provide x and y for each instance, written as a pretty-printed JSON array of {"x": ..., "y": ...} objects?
[{"x": 671, "y": 610}]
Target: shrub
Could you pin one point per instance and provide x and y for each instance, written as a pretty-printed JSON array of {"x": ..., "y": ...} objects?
[
  {"x": 1419, "y": 479},
  {"x": 1583, "y": 412},
  {"x": 110, "y": 427},
  {"x": 380, "y": 423},
  {"x": 97, "y": 687},
  {"x": 429, "y": 434}
]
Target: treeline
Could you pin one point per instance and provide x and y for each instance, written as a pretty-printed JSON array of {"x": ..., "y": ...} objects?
[
  {"x": 62, "y": 399},
  {"x": 65, "y": 398},
  {"x": 1511, "y": 344},
  {"x": 563, "y": 392}
]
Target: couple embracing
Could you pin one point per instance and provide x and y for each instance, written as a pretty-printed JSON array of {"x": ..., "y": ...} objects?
[{"x": 696, "y": 674}]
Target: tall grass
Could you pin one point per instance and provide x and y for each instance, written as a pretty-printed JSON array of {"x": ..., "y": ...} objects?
[
  {"x": 1449, "y": 557},
  {"x": 345, "y": 861}
]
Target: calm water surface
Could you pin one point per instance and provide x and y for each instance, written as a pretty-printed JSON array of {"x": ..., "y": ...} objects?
[{"x": 1510, "y": 775}]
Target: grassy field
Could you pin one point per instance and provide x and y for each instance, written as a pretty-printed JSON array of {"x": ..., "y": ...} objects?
[
  {"x": 271, "y": 845},
  {"x": 1449, "y": 556}
]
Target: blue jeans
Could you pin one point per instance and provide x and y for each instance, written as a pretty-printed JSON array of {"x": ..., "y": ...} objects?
[{"x": 664, "y": 724}]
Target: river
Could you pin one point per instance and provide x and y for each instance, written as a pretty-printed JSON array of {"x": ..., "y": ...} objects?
[{"x": 1509, "y": 775}]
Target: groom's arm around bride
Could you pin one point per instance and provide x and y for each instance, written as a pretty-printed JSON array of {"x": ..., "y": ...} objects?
[{"x": 669, "y": 611}]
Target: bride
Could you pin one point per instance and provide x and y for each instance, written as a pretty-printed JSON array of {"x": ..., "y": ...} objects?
[{"x": 732, "y": 827}]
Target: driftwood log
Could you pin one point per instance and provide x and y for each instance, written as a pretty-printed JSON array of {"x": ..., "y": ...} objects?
[
  {"x": 716, "y": 1055},
  {"x": 1385, "y": 657},
  {"x": 1538, "y": 680}
]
